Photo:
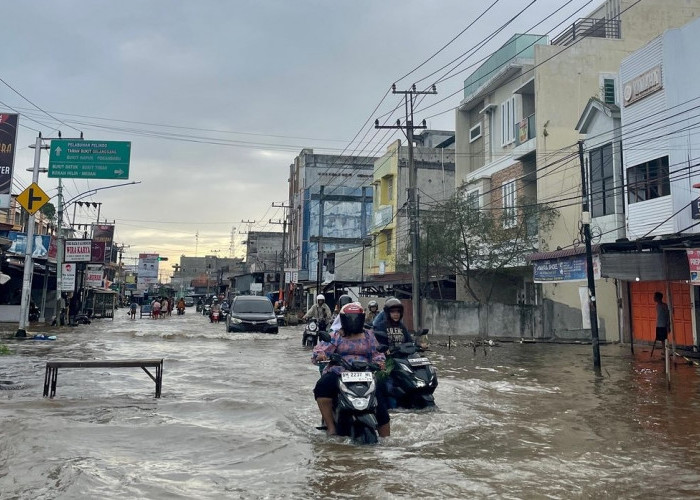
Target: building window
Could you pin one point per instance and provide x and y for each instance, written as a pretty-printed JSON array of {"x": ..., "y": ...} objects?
[
  {"x": 609, "y": 91},
  {"x": 648, "y": 180},
  {"x": 473, "y": 200},
  {"x": 602, "y": 189},
  {"x": 508, "y": 121},
  {"x": 475, "y": 132},
  {"x": 390, "y": 190},
  {"x": 388, "y": 235},
  {"x": 510, "y": 211}
]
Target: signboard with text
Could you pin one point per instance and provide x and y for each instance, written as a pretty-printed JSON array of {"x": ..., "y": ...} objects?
[
  {"x": 8, "y": 137},
  {"x": 571, "y": 268},
  {"x": 147, "y": 270},
  {"x": 78, "y": 251},
  {"x": 44, "y": 246},
  {"x": 89, "y": 159},
  {"x": 68, "y": 277},
  {"x": 694, "y": 265},
  {"x": 93, "y": 276},
  {"x": 104, "y": 233}
]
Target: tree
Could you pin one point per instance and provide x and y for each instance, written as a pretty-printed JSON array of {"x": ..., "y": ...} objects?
[
  {"x": 49, "y": 211},
  {"x": 470, "y": 242}
]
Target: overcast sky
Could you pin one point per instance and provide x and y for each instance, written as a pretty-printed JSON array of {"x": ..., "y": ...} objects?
[{"x": 227, "y": 93}]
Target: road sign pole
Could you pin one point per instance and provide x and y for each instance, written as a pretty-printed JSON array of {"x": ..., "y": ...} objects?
[
  {"x": 59, "y": 254},
  {"x": 28, "y": 263}
]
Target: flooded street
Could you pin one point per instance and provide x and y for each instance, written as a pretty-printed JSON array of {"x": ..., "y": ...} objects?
[{"x": 237, "y": 420}]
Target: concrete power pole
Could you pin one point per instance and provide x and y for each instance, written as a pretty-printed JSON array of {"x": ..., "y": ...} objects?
[
  {"x": 283, "y": 253},
  {"x": 408, "y": 129}
]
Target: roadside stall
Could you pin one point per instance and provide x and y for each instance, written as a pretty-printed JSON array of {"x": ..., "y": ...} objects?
[{"x": 101, "y": 302}]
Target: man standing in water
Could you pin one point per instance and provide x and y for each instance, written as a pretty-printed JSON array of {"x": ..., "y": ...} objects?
[{"x": 663, "y": 320}]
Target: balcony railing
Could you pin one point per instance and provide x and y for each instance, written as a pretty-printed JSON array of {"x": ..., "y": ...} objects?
[
  {"x": 589, "y": 27},
  {"x": 525, "y": 130},
  {"x": 382, "y": 216}
]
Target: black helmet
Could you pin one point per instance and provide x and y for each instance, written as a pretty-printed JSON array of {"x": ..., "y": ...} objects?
[
  {"x": 352, "y": 319},
  {"x": 393, "y": 303},
  {"x": 372, "y": 303},
  {"x": 344, "y": 300}
]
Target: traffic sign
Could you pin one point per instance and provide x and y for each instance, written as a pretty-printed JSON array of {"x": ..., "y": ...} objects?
[
  {"x": 32, "y": 198},
  {"x": 89, "y": 159}
]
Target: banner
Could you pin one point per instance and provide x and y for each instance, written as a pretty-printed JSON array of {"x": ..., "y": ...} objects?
[
  {"x": 78, "y": 251},
  {"x": 694, "y": 265},
  {"x": 148, "y": 270},
  {"x": 104, "y": 233},
  {"x": 561, "y": 269},
  {"x": 98, "y": 251},
  {"x": 93, "y": 276},
  {"x": 68, "y": 277},
  {"x": 42, "y": 245},
  {"x": 8, "y": 137}
]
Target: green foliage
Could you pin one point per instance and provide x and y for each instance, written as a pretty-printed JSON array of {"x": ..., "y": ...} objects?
[
  {"x": 460, "y": 239},
  {"x": 49, "y": 210},
  {"x": 4, "y": 350}
]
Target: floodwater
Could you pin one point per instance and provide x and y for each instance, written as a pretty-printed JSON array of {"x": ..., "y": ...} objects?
[{"x": 237, "y": 420}]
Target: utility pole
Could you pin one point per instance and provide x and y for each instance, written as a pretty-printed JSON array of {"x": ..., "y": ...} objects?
[
  {"x": 586, "y": 218},
  {"x": 319, "y": 265},
  {"x": 282, "y": 254},
  {"x": 413, "y": 214}
]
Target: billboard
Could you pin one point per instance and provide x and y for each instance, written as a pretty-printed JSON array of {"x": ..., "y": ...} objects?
[
  {"x": 78, "y": 251},
  {"x": 44, "y": 246},
  {"x": 68, "y": 277},
  {"x": 104, "y": 233},
  {"x": 93, "y": 276},
  {"x": 8, "y": 137},
  {"x": 147, "y": 270}
]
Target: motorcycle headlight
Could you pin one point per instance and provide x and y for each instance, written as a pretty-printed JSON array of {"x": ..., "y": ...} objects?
[
  {"x": 420, "y": 383},
  {"x": 272, "y": 321},
  {"x": 359, "y": 403},
  {"x": 236, "y": 321}
]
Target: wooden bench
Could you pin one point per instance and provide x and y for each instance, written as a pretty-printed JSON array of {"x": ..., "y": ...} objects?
[{"x": 51, "y": 376}]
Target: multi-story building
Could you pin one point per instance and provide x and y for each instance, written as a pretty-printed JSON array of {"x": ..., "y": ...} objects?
[
  {"x": 508, "y": 157},
  {"x": 435, "y": 176},
  {"x": 209, "y": 271},
  {"x": 264, "y": 251},
  {"x": 330, "y": 199}
]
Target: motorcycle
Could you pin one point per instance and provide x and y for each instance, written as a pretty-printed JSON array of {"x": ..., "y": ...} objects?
[
  {"x": 206, "y": 310},
  {"x": 413, "y": 378},
  {"x": 354, "y": 410},
  {"x": 33, "y": 315},
  {"x": 214, "y": 316},
  {"x": 310, "y": 336},
  {"x": 180, "y": 311}
]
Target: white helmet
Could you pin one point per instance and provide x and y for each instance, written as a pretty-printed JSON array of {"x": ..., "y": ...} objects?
[{"x": 320, "y": 297}]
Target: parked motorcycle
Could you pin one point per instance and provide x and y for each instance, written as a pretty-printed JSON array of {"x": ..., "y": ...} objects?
[
  {"x": 354, "y": 410},
  {"x": 412, "y": 380}
]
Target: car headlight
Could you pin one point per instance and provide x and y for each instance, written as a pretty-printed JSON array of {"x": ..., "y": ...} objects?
[
  {"x": 272, "y": 321},
  {"x": 236, "y": 321}
]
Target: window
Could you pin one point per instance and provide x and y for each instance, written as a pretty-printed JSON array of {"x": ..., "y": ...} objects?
[
  {"x": 508, "y": 199},
  {"x": 473, "y": 200},
  {"x": 475, "y": 132},
  {"x": 609, "y": 91},
  {"x": 648, "y": 180},
  {"x": 387, "y": 236},
  {"x": 602, "y": 189},
  {"x": 508, "y": 122},
  {"x": 390, "y": 190}
]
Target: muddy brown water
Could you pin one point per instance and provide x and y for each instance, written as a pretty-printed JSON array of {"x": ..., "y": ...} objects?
[{"x": 237, "y": 420}]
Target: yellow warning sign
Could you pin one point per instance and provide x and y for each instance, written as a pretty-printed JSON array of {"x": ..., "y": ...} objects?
[{"x": 32, "y": 198}]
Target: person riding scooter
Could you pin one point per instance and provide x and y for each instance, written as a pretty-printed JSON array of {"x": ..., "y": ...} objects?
[
  {"x": 343, "y": 300},
  {"x": 320, "y": 311},
  {"x": 215, "y": 308},
  {"x": 389, "y": 329},
  {"x": 353, "y": 343},
  {"x": 372, "y": 311}
]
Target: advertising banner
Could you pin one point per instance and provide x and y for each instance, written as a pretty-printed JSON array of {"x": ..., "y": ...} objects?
[
  {"x": 98, "y": 251},
  {"x": 104, "y": 233},
  {"x": 571, "y": 268},
  {"x": 68, "y": 277},
  {"x": 148, "y": 270},
  {"x": 93, "y": 276},
  {"x": 78, "y": 250},
  {"x": 8, "y": 137},
  {"x": 41, "y": 249},
  {"x": 694, "y": 264}
]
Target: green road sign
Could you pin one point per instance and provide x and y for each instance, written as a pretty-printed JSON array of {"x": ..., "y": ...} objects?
[{"x": 89, "y": 159}]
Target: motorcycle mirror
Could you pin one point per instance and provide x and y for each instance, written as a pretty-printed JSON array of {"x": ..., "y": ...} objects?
[{"x": 324, "y": 336}]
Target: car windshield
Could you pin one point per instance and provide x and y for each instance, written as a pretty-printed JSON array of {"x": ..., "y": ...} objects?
[{"x": 253, "y": 306}]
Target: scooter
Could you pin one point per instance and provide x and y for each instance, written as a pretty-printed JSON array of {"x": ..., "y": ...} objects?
[
  {"x": 180, "y": 311},
  {"x": 310, "y": 336},
  {"x": 413, "y": 379},
  {"x": 354, "y": 410},
  {"x": 214, "y": 316},
  {"x": 206, "y": 309}
]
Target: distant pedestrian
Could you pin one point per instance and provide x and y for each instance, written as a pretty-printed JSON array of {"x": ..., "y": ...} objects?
[
  {"x": 155, "y": 309},
  {"x": 164, "y": 307},
  {"x": 663, "y": 320},
  {"x": 132, "y": 310}
]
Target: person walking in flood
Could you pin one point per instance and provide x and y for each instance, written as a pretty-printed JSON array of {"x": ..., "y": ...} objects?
[{"x": 663, "y": 320}]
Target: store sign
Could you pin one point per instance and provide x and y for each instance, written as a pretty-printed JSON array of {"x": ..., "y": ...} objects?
[
  {"x": 642, "y": 86},
  {"x": 42, "y": 245},
  {"x": 78, "y": 251},
  {"x": 93, "y": 276},
  {"x": 147, "y": 270},
  {"x": 68, "y": 277},
  {"x": 694, "y": 265},
  {"x": 8, "y": 138},
  {"x": 564, "y": 269},
  {"x": 104, "y": 233}
]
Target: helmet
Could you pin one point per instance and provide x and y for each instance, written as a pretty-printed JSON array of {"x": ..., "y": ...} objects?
[
  {"x": 372, "y": 303},
  {"x": 352, "y": 319},
  {"x": 393, "y": 303},
  {"x": 320, "y": 297},
  {"x": 344, "y": 300}
]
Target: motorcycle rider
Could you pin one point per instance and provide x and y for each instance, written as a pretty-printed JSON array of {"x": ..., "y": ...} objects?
[
  {"x": 320, "y": 311},
  {"x": 389, "y": 329},
  {"x": 372, "y": 311},
  {"x": 343, "y": 300},
  {"x": 215, "y": 307},
  {"x": 354, "y": 343}
]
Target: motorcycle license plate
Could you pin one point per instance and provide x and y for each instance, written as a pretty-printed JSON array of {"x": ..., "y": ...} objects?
[
  {"x": 418, "y": 361},
  {"x": 356, "y": 377}
]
